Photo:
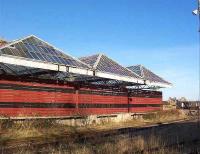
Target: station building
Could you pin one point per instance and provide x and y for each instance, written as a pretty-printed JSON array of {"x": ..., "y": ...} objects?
[{"x": 38, "y": 79}]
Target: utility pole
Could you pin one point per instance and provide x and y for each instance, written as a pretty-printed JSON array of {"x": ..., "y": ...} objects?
[{"x": 197, "y": 13}]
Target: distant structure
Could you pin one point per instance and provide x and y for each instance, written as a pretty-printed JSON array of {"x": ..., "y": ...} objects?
[
  {"x": 2, "y": 42},
  {"x": 170, "y": 104},
  {"x": 182, "y": 99}
]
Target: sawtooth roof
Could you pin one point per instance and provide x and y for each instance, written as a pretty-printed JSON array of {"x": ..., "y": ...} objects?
[
  {"x": 98, "y": 66},
  {"x": 34, "y": 48},
  {"x": 103, "y": 63},
  {"x": 146, "y": 74}
]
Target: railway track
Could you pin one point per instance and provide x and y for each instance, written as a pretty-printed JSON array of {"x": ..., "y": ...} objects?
[{"x": 90, "y": 137}]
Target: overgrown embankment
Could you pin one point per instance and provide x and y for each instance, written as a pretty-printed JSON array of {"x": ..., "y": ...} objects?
[
  {"x": 68, "y": 139},
  {"x": 11, "y": 129}
]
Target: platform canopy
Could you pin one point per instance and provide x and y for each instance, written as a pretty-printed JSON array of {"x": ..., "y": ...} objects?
[
  {"x": 150, "y": 78},
  {"x": 106, "y": 67},
  {"x": 36, "y": 53},
  {"x": 33, "y": 57}
]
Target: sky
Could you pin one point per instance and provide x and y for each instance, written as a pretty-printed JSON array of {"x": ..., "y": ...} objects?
[{"x": 162, "y": 35}]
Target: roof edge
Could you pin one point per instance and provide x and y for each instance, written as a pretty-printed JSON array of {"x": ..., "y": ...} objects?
[
  {"x": 19, "y": 40},
  {"x": 162, "y": 85},
  {"x": 98, "y": 60}
]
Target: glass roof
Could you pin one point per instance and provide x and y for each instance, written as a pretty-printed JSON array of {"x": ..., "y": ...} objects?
[
  {"x": 36, "y": 49},
  {"x": 107, "y": 65},
  {"x": 147, "y": 74},
  {"x": 91, "y": 60}
]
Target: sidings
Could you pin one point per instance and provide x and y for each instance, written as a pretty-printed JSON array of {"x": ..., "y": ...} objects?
[
  {"x": 28, "y": 99},
  {"x": 34, "y": 96},
  {"x": 102, "y": 102},
  {"x": 36, "y": 112},
  {"x": 145, "y": 101},
  {"x": 37, "y": 99},
  {"x": 144, "y": 109}
]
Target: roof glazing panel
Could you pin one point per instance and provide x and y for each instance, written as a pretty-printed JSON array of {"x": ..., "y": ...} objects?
[
  {"x": 147, "y": 74},
  {"x": 105, "y": 64},
  {"x": 91, "y": 60},
  {"x": 36, "y": 49}
]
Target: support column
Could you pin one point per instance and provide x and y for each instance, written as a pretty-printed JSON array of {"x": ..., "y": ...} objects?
[
  {"x": 77, "y": 98},
  {"x": 128, "y": 95}
]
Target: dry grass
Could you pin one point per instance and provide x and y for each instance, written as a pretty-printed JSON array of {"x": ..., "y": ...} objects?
[
  {"x": 150, "y": 118},
  {"x": 165, "y": 116},
  {"x": 139, "y": 143},
  {"x": 135, "y": 145},
  {"x": 10, "y": 129},
  {"x": 146, "y": 142}
]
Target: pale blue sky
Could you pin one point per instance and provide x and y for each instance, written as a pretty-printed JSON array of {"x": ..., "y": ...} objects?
[{"x": 159, "y": 34}]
